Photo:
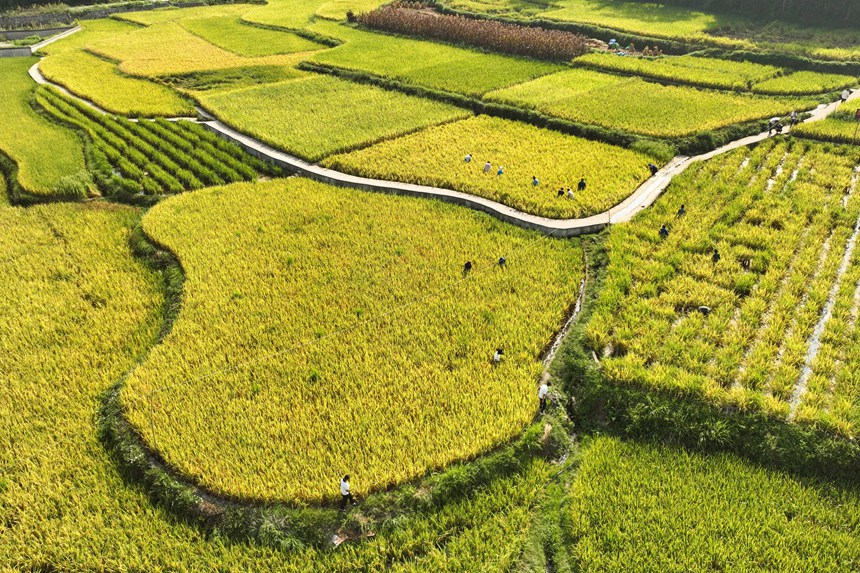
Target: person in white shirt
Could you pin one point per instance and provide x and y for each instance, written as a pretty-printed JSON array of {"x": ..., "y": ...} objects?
[
  {"x": 497, "y": 357},
  {"x": 542, "y": 394},
  {"x": 345, "y": 494}
]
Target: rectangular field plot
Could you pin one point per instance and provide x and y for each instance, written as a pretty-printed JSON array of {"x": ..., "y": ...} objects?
[
  {"x": 316, "y": 116},
  {"x": 706, "y": 72},
  {"x": 805, "y": 83},
  {"x": 92, "y": 32},
  {"x": 44, "y": 152},
  {"x": 99, "y": 81},
  {"x": 425, "y": 63},
  {"x": 246, "y": 40},
  {"x": 168, "y": 49},
  {"x": 150, "y": 17},
  {"x": 737, "y": 327},
  {"x": 640, "y": 508},
  {"x": 435, "y": 157},
  {"x": 637, "y": 106}
]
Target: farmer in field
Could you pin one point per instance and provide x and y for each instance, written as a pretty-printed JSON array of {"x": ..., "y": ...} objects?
[
  {"x": 681, "y": 212},
  {"x": 569, "y": 193},
  {"x": 497, "y": 356},
  {"x": 561, "y": 191},
  {"x": 716, "y": 257},
  {"x": 664, "y": 232},
  {"x": 345, "y": 493},
  {"x": 581, "y": 186},
  {"x": 468, "y": 158},
  {"x": 654, "y": 169},
  {"x": 535, "y": 181},
  {"x": 487, "y": 167},
  {"x": 502, "y": 262},
  {"x": 543, "y": 391},
  {"x": 501, "y": 171}
]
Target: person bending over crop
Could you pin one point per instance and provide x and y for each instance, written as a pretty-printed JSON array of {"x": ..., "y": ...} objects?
[
  {"x": 487, "y": 167},
  {"x": 497, "y": 356},
  {"x": 543, "y": 392},
  {"x": 581, "y": 186},
  {"x": 501, "y": 171},
  {"x": 664, "y": 232},
  {"x": 535, "y": 181},
  {"x": 569, "y": 193},
  {"x": 561, "y": 191},
  {"x": 345, "y": 493},
  {"x": 654, "y": 169},
  {"x": 502, "y": 262},
  {"x": 467, "y": 268},
  {"x": 681, "y": 212},
  {"x": 716, "y": 256},
  {"x": 468, "y": 158}
]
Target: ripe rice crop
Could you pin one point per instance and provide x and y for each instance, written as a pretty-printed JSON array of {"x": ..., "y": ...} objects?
[
  {"x": 706, "y": 72},
  {"x": 780, "y": 209},
  {"x": 640, "y": 508},
  {"x": 410, "y": 19},
  {"x": 435, "y": 157},
  {"x": 167, "y": 49},
  {"x": 426, "y": 63},
  {"x": 92, "y": 31},
  {"x": 95, "y": 79},
  {"x": 44, "y": 152},
  {"x": 340, "y": 334},
  {"x": 315, "y": 116},
  {"x": 805, "y": 83},
  {"x": 150, "y": 17},
  {"x": 637, "y": 106},
  {"x": 229, "y": 33},
  {"x": 289, "y": 14}
]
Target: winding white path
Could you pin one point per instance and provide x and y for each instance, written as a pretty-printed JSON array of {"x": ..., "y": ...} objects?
[{"x": 641, "y": 198}]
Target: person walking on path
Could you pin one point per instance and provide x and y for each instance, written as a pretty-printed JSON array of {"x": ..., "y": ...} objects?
[
  {"x": 345, "y": 493},
  {"x": 845, "y": 95},
  {"x": 581, "y": 186},
  {"x": 664, "y": 232},
  {"x": 487, "y": 167},
  {"x": 468, "y": 158},
  {"x": 543, "y": 391},
  {"x": 793, "y": 120}
]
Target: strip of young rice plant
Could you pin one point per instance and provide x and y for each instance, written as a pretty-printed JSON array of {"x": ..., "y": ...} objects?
[
  {"x": 805, "y": 83},
  {"x": 341, "y": 334},
  {"x": 229, "y": 33},
  {"x": 128, "y": 158},
  {"x": 435, "y": 157},
  {"x": 426, "y": 63},
  {"x": 319, "y": 115},
  {"x": 651, "y": 509},
  {"x": 706, "y": 72},
  {"x": 45, "y": 153},
  {"x": 168, "y": 49},
  {"x": 97, "y": 80},
  {"x": 637, "y": 106},
  {"x": 77, "y": 311},
  {"x": 780, "y": 223}
]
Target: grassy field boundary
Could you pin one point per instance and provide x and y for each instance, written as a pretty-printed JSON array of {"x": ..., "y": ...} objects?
[{"x": 653, "y": 416}]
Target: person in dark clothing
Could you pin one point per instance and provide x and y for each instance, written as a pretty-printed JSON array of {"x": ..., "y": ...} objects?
[
  {"x": 467, "y": 268},
  {"x": 681, "y": 212},
  {"x": 345, "y": 493},
  {"x": 502, "y": 261},
  {"x": 561, "y": 191},
  {"x": 716, "y": 256},
  {"x": 581, "y": 185},
  {"x": 654, "y": 169},
  {"x": 745, "y": 263},
  {"x": 664, "y": 232}
]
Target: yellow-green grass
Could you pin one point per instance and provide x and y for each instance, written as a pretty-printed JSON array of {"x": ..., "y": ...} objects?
[
  {"x": 707, "y": 72},
  {"x": 150, "y": 17},
  {"x": 289, "y": 14},
  {"x": 97, "y": 80},
  {"x": 319, "y": 115},
  {"x": 337, "y": 9},
  {"x": 830, "y": 129},
  {"x": 805, "y": 83},
  {"x": 435, "y": 157},
  {"x": 168, "y": 49},
  {"x": 78, "y": 311},
  {"x": 328, "y": 331},
  {"x": 637, "y": 106},
  {"x": 229, "y": 33},
  {"x": 781, "y": 207},
  {"x": 44, "y": 152},
  {"x": 93, "y": 31},
  {"x": 650, "y": 509},
  {"x": 430, "y": 64},
  {"x": 654, "y": 20}
]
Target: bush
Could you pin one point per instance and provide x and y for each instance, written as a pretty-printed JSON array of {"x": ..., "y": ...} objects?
[{"x": 78, "y": 185}]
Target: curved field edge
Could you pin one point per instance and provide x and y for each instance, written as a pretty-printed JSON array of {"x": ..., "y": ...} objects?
[
  {"x": 282, "y": 526},
  {"x": 647, "y": 414}
]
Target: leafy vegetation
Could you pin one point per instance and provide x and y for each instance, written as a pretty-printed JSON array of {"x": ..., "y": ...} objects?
[
  {"x": 95, "y": 79},
  {"x": 131, "y": 159},
  {"x": 637, "y": 106},
  {"x": 44, "y": 153},
  {"x": 706, "y": 72},
  {"x": 435, "y": 157},
  {"x": 650, "y": 509},
  {"x": 427, "y": 63},
  {"x": 410, "y": 19},
  {"x": 780, "y": 219},
  {"x": 356, "y": 325},
  {"x": 316, "y": 116}
]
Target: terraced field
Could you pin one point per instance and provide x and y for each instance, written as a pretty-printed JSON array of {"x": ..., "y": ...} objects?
[
  {"x": 523, "y": 152},
  {"x": 781, "y": 217},
  {"x": 358, "y": 327}
]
